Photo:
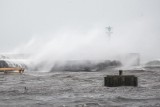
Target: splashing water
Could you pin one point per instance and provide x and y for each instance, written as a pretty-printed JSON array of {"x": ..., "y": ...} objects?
[
  {"x": 70, "y": 44},
  {"x": 92, "y": 46}
]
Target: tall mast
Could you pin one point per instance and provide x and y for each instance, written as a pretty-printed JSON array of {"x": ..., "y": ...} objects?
[{"x": 109, "y": 32}]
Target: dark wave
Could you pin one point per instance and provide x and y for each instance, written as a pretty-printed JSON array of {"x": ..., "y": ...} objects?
[{"x": 126, "y": 99}]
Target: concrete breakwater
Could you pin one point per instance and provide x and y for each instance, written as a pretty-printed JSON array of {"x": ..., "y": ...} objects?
[
  {"x": 72, "y": 65},
  {"x": 78, "y": 65}
]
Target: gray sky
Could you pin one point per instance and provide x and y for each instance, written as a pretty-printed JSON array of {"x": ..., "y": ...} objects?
[{"x": 21, "y": 19}]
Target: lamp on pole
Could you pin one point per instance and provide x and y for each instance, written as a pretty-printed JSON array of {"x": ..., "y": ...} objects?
[{"x": 109, "y": 32}]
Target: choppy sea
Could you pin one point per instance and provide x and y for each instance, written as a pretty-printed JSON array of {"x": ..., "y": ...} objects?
[{"x": 78, "y": 89}]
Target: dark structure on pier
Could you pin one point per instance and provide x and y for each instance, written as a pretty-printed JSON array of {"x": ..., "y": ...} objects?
[{"x": 120, "y": 80}]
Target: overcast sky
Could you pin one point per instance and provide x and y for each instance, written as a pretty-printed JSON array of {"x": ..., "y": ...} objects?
[{"x": 21, "y": 19}]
